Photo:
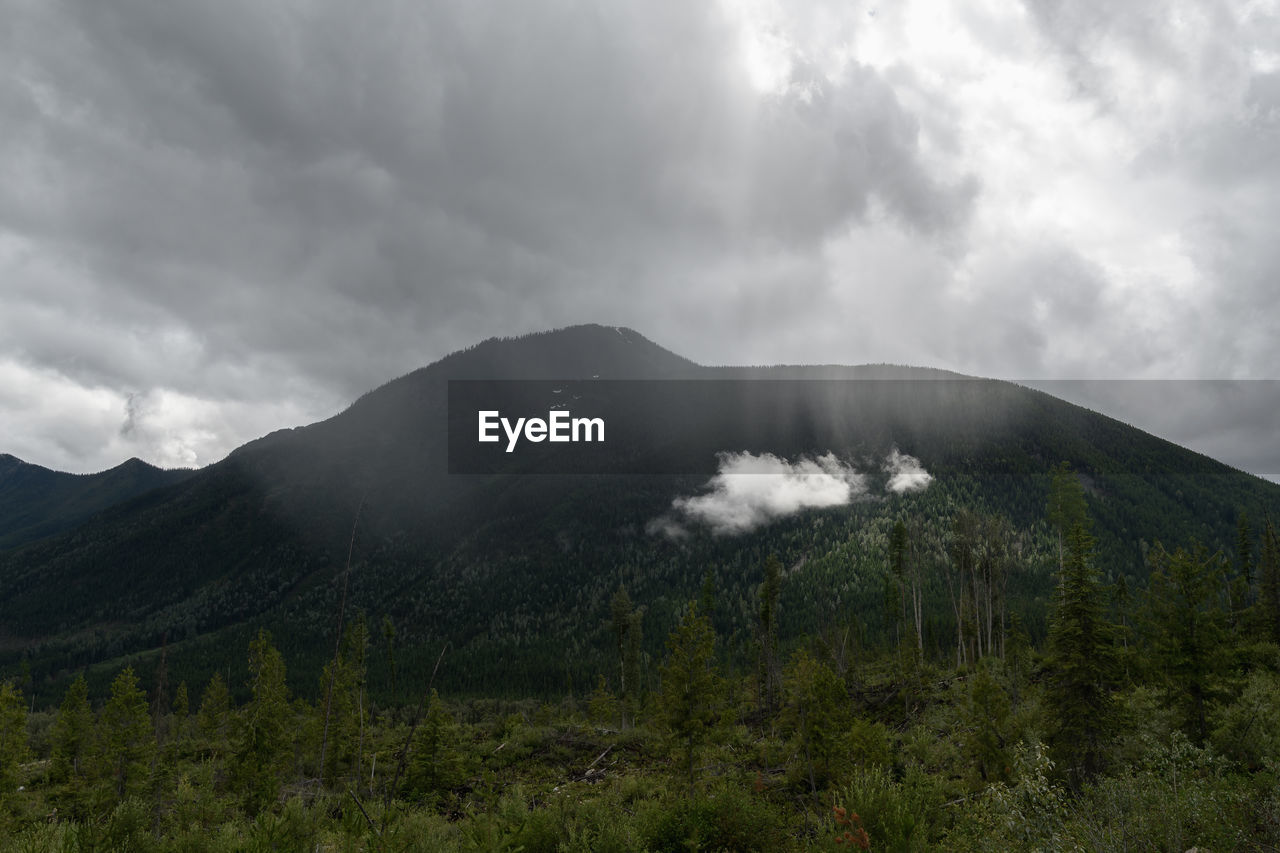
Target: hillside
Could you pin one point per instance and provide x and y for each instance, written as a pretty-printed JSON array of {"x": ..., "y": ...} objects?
[
  {"x": 514, "y": 570},
  {"x": 36, "y": 502}
]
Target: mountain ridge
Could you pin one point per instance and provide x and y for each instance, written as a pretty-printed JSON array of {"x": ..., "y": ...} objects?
[{"x": 500, "y": 566}]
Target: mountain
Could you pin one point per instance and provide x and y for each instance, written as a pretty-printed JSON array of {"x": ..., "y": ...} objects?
[
  {"x": 511, "y": 570},
  {"x": 36, "y": 502}
]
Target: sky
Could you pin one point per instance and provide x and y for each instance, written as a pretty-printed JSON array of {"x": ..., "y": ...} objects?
[{"x": 223, "y": 218}]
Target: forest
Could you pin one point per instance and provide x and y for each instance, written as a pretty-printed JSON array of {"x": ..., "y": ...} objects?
[{"x": 1137, "y": 717}]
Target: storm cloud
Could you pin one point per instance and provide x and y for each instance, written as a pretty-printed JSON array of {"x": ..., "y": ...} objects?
[{"x": 218, "y": 219}]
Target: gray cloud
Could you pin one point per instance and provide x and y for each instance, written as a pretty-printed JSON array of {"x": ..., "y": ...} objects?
[{"x": 248, "y": 213}]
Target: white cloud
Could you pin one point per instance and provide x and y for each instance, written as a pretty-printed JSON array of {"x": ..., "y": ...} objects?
[
  {"x": 749, "y": 491},
  {"x": 905, "y": 473}
]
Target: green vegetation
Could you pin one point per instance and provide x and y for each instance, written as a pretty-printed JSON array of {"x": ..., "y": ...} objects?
[
  {"x": 1027, "y": 655},
  {"x": 1163, "y": 737},
  {"x": 516, "y": 573}
]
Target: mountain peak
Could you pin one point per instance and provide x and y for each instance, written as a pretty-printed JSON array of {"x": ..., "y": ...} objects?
[{"x": 590, "y": 350}]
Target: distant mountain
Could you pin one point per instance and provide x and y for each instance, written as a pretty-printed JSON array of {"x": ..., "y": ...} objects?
[
  {"x": 513, "y": 570},
  {"x": 36, "y": 502}
]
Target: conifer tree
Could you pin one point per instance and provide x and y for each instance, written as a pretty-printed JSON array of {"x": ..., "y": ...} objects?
[
  {"x": 1269, "y": 581},
  {"x": 1244, "y": 546},
  {"x": 213, "y": 725},
  {"x": 1189, "y": 647},
  {"x": 1244, "y": 564},
  {"x": 627, "y": 625},
  {"x": 1082, "y": 662},
  {"x": 770, "y": 673},
  {"x": 819, "y": 714},
  {"x": 906, "y": 572},
  {"x": 620, "y": 624},
  {"x": 389, "y": 638},
  {"x": 181, "y": 711},
  {"x": 13, "y": 736},
  {"x": 1067, "y": 506},
  {"x": 707, "y": 595},
  {"x": 263, "y": 753},
  {"x": 126, "y": 740},
  {"x": 346, "y": 679},
  {"x": 632, "y": 663},
  {"x": 988, "y": 720},
  {"x": 437, "y": 765},
  {"x": 691, "y": 687},
  {"x": 72, "y": 732}
]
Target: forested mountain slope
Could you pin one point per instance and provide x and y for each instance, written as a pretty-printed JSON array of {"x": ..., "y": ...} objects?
[
  {"x": 514, "y": 571},
  {"x": 36, "y": 502}
]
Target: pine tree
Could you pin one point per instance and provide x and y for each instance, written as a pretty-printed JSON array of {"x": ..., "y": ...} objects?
[
  {"x": 1244, "y": 558},
  {"x": 72, "y": 732},
  {"x": 346, "y": 679},
  {"x": 160, "y": 696},
  {"x": 1067, "y": 506},
  {"x": 691, "y": 687},
  {"x": 632, "y": 663},
  {"x": 213, "y": 725},
  {"x": 770, "y": 674},
  {"x": 437, "y": 765},
  {"x": 181, "y": 711},
  {"x": 620, "y": 624},
  {"x": 389, "y": 637},
  {"x": 707, "y": 595},
  {"x": 1190, "y": 645},
  {"x": 907, "y": 573},
  {"x": 263, "y": 753},
  {"x": 126, "y": 740},
  {"x": 13, "y": 736},
  {"x": 1081, "y": 665},
  {"x": 987, "y": 716},
  {"x": 818, "y": 712},
  {"x": 1269, "y": 582}
]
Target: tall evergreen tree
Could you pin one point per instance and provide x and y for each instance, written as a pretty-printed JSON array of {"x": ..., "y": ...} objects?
[
  {"x": 13, "y": 736},
  {"x": 1244, "y": 557},
  {"x": 181, "y": 711},
  {"x": 620, "y": 618},
  {"x": 345, "y": 677},
  {"x": 437, "y": 765},
  {"x": 819, "y": 714},
  {"x": 691, "y": 687},
  {"x": 770, "y": 673},
  {"x": 1269, "y": 582},
  {"x": 389, "y": 638},
  {"x": 1081, "y": 664},
  {"x": 126, "y": 740},
  {"x": 213, "y": 721},
  {"x": 1189, "y": 643},
  {"x": 72, "y": 733},
  {"x": 1067, "y": 506},
  {"x": 633, "y": 664},
  {"x": 263, "y": 753},
  {"x": 906, "y": 569}
]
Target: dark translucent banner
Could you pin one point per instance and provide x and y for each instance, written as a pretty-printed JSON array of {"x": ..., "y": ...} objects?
[{"x": 688, "y": 426}]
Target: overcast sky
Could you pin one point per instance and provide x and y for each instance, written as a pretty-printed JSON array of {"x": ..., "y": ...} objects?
[{"x": 223, "y": 218}]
